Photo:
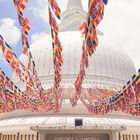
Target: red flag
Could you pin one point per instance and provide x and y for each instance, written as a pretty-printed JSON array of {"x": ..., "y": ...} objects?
[{"x": 8, "y": 54}]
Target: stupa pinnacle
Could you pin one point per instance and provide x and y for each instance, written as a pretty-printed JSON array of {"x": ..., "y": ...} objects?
[
  {"x": 74, "y": 4},
  {"x": 73, "y": 17}
]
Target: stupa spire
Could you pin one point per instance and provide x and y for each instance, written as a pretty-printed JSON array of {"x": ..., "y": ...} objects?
[
  {"x": 73, "y": 17},
  {"x": 74, "y": 4}
]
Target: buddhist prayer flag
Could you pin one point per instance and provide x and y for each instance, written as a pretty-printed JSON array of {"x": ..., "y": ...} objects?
[
  {"x": 1, "y": 44},
  {"x": 105, "y": 2},
  {"x": 55, "y": 8},
  {"x": 94, "y": 17},
  {"x": 56, "y": 44},
  {"x": 2, "y": 75},
  {"x": 25, "y": 28},
  {"x": 8, "y": 54},
  {"x": 83, "y": 28},
  {"x": 53, "y": 22},
  {"x": 14, "y": 64}
]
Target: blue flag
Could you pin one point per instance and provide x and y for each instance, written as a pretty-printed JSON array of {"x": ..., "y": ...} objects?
[{"x": 105, "y": 2}]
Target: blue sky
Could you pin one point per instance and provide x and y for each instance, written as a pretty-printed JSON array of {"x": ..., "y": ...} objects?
[{"x": 121, "y": 24}]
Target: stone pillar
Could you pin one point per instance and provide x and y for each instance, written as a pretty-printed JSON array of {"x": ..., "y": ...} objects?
[
  {"x": 42, "y": 136},
  {"x": 21, "y": 137},
  {"x": 114, "y": 136},
  {"x": 18, "y": 136},
  {"x": 3, "y": 137},
  {"x": 32, "y": 137},
  {"x": 119, "y": 136},
  {"x": 0, "y": 136},
  {"x": 29, "y": 136},
  {"x": 25, "y": 137},
  {"x": 37, "y": 136}
]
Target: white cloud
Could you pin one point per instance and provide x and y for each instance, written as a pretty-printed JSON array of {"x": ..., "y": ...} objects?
[
  {"x": 40, "y": 9},
  {"x": 9, "y": 31}
]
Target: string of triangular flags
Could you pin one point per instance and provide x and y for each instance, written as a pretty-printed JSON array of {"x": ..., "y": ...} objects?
[
  {"x": 19, "y": 68},
  {"x": 56, "y": 44},
  {"x": 12, "y": 98},
  {"x": 25, "y": 28},
  {"x": 54, "y": 15},
  {"x": 100, "y": 95},
  {"x": 94, "y": 17},
  {"x": 127, "y": 100},
  {"x": 25, "y": 76}
]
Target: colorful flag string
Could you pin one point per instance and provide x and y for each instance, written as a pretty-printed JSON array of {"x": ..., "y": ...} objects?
[
  {"x": 56, "y": 44},
  {"x": 127, "y": 100},
  {"x": 94, "y": 17},
  {"x": 25, "y": 28},
  {"x": 12, "y": 95},
  {"x": 16, "y": 65}
]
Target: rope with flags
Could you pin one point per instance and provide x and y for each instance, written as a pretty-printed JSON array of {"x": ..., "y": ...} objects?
[
  {"x": 126, "y": 100},
  {"x": 32, "y": 83},
  {"x": 11, "y": 94},
  {"x": 54, "y": 11},
  {"x": 17, "y": 66},
  {"x": 25, "y": 28},
  {"x": 25, "y": 76},
  {"x": 18, "y": 100},
  {"x": 12, "y": 98},
  {"x": 24, "y": 22},
  {"x": 94, "y": 17},
  {"x": 56, "y": 44}
]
